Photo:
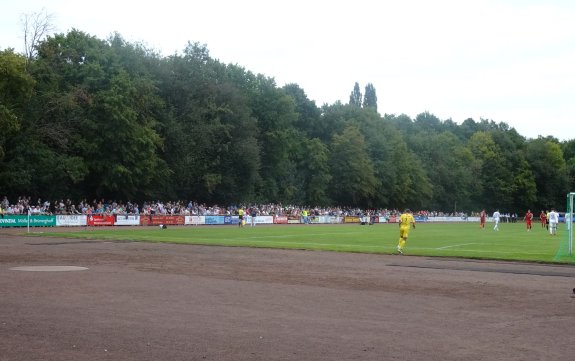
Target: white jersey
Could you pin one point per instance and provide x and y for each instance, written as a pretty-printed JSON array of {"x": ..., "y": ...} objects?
[
  {"x": 496, "y": 216},
  {"x": 553, "y": 217}
]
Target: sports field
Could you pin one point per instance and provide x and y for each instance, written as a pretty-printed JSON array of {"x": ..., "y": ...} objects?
[
  {"x": 113, "y": 298},
  {"x": 466, "y": 240}
]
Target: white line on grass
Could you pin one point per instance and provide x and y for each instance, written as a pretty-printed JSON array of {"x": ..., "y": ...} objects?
[
  {"x": 297, "y": 235},
  {"x": 456, "y": 245}
]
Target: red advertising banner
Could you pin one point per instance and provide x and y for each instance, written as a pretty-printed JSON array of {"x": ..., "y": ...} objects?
[
  {"x": 156, "y": 220},
  {"x": 280, "y": 219},
  {"x": 100, "y": 220},
  {"x": 392, "y": 219}
]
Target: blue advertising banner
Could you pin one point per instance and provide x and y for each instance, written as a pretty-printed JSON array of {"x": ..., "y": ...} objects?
[
  {"x": 231, "y": 220},
  {"x": 214, "y": 219},
  {"x": 420, "y": 218}
]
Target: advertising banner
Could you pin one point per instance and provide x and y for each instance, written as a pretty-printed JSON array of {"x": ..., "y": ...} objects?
[
  {"x": 260, "y": 220},
  {"x": 351, "y": 219},
  {"x": 100, "y": 220},
  {"x": 329, "y": 219},
  {"x": 453, "y": 219},
  {"x": 13, "y": 220},
  {"x": 76, "y": 220},
  {"x": 293, "y": 220},
  {"x": 215, "y": 220},
  {"x": 194, "y": 220},
  {"x": 127, "y": 220},
  {"x": 281, "y": 219},
  {"x": 231, "y": 220},
  {"x": 156, "y": 220}
]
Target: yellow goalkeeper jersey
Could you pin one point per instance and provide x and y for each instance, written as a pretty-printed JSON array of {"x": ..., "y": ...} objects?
[{"x": 405, "y": 219}]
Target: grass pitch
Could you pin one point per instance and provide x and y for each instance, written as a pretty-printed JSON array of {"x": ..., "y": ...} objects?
[{"x": 465, "y": 240}]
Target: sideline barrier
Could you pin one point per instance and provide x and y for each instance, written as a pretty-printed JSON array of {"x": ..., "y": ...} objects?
[
  {"x": 71, "y": 220},
  {"x": 100, "y": 220},
  {"x": 82, "y": 220},
  {"x": 281, "y": 220},
  {"x": 156, "y": 220},
  {"x": 127, "y": 220},
  {"x": 13, "y": 220}
]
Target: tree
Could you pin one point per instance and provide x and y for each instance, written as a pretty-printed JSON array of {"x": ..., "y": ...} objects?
[
  {"x": 355, "y": 96},
  {"x": 354, "y": 182},
  {"x": 308, "y": 113},
  {"x": 16, "y": 87},
  {"x": 549, "y": 169},
  {"x": 37, "y": 25},
  {"x": 451, "y": 169},
  {"x": 569, "y": 155},
  {"x": 210, "y": 132},
  {"x": 370, "y": 97},
  {"x": 316, "y": 173},
  {"x": 495, "y": 176},
  {"x": 95, "y": 118}
]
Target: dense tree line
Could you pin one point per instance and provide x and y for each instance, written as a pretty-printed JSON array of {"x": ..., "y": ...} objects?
[{"x": 87, "y": 117}]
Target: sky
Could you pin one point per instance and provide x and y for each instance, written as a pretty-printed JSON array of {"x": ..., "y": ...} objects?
[{"x": 509, "y": 61}]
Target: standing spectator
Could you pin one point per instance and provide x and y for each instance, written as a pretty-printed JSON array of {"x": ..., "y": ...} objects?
[
  {"x": 253, "y": 214},
  {"x": 241, "y": 216},
  {"x": 304, "y": 216}
]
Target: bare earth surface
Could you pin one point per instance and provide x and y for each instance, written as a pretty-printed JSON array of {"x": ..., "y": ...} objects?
[{"x": 142, "y": 301}]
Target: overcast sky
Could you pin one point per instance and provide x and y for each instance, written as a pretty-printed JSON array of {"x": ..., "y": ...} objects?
[{"x": 509, "y": 61}]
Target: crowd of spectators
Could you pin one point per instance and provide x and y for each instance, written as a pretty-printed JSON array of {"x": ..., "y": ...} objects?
[{"x": 110, "y": 207}]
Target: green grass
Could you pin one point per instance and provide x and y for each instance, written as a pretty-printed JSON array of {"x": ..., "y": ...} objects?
[{"x": 464, "y": 240}]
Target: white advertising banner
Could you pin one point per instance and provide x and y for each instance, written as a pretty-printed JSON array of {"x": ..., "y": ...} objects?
[
  {"x": 453, "y": 219},
  {"x": 73, "y": 220},
  {"x": 329, "y": 219},
  {"x": 127, "y": 220},
  {"x": 195, "y": 220},
  {"x": 260, "y": 220}
]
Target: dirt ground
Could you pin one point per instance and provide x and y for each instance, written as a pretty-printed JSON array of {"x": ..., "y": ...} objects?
[{"x": 143, "y": 301}]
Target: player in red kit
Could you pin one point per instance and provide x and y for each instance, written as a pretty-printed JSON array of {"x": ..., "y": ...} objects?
[
  {"x": 528, "y": 218},
  {"x": 482, "y": 218},
  {"x": 543, "y": 217}
]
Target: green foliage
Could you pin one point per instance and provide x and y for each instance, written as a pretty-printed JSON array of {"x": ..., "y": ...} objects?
[
  {"x": 355, "y": 96},
  {"x": 550, "y": 171},
  {"x": 110, "y": 119},
  {"x": 370, "y": 97},
  {"x": 16, "y": 87},
  {"x": 354, "y": 181}
]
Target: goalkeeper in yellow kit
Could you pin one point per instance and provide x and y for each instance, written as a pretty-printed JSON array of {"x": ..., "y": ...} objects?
[{"x": 405, "y": 220}]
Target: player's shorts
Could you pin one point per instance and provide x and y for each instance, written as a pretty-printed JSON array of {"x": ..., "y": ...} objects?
[{"x": 403, "y": 232}]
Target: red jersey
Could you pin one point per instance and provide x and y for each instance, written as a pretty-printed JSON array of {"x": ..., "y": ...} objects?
[{"x": 528, "y": 217}]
